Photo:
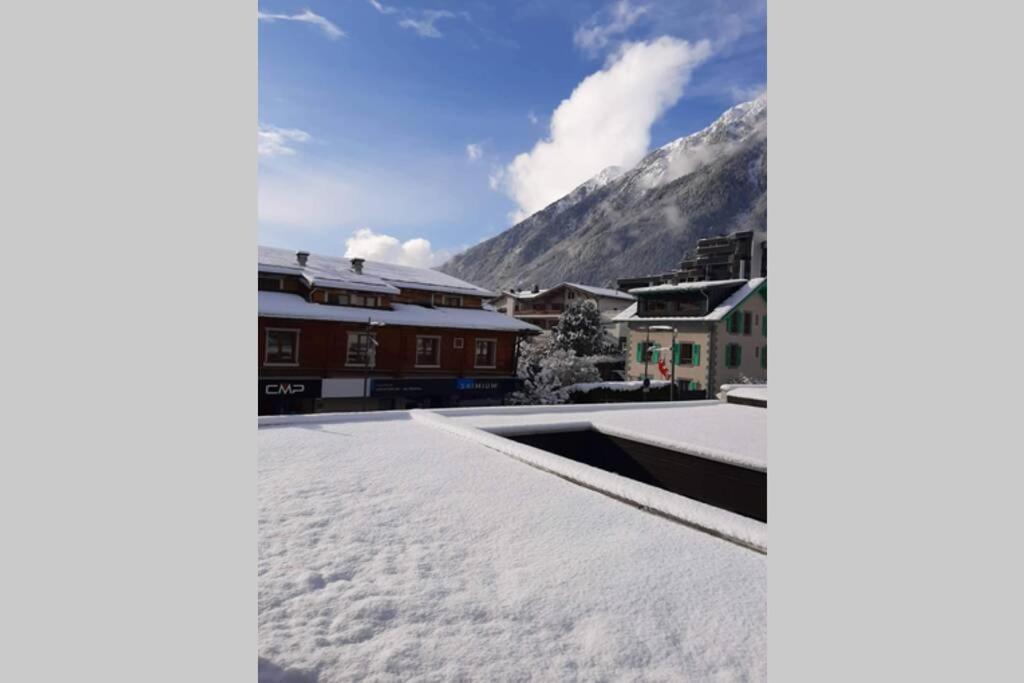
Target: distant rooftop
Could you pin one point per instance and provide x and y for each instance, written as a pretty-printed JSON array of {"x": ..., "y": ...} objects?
[{"x": 337, "y": 271}]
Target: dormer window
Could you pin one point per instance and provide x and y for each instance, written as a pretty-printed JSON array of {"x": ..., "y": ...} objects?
[
  {"x": 269, "y": 284},
  {"x": 453, "y": 301},
  {"x": 337, "y": 298}
]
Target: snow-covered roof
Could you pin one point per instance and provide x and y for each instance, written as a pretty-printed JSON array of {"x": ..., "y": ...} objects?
[
  {"x": 720, "y": 311},
  {"x": 334, "y": 271},
  {"x": 412, "y": 545},
  {"x": 685, "y": 286},
  {"x": 756, "y": 392},
  {"x": 602, "y": 291},
  {"x": 590, "y": 289},
  {"x": 286, "y": 305},
  {"x": 628, "y": 313}
]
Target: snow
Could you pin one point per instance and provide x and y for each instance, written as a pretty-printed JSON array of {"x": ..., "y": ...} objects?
[
  {"x": 398, "y": 546},
  {"x": 685, "y": 286},
  {"x": 596, "y": 291},
  {"x": 734, "y": 299},
  {"x": 633, "y": 385},
  {"x": 731, "y": 433},
  {"x": 602, "y": 291},
  {"x": 754, "y": 391},
  {"x": 387, "y": 277},
  {"x": 285, "y": 305}
]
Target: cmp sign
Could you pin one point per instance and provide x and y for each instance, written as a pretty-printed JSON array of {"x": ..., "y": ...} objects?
[{"x": 290, "y": 388}]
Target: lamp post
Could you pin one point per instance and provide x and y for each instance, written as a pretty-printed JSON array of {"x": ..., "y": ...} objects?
[
  {"x": 369, "y": 352},
  {"x": 647, "y": 355},
  {"x": 672, "y": 350}
]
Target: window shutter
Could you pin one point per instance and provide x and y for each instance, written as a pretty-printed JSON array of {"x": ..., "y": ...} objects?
[
  {"x": 693, "y": 385},
  {"x": 655, "y": 354},
  {"x": 696, "y": 354},
  {"x": 640, "y": 352},
  {"x": 764, "y": 324},
  {"x": 676, "y": 349}
]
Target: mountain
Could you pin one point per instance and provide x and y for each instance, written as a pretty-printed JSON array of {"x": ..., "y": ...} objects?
[{"x": 639, "y": 221}]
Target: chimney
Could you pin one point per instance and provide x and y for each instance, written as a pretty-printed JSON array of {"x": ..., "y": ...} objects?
[
  {"x": 536, "y": 288},
  {"x": 357, "y": 265},
  {"x": 302, "y": 256}
]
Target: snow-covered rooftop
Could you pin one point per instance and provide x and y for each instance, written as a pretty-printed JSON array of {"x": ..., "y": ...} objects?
[
  {"x": 285, "y": 305},
  {"x": 413, "y": 545},
  {"x": 748, "y": 287},
  {"x": 756, "y": 392},
  {"x": 335, "y": 271},
  {"x": 685, "y": 286},
  {"x": 602, "y": 291},
  {"x": 596, "y": 291}
]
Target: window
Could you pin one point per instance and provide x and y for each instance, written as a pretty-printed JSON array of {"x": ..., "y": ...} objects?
[
  {"x": 486, "y": 352},
  {"x": 687, "y": 354},
  {"x": 734, "y": 322},
  {"x": 337, "y": 299},
  {"x": 645, "y": 350},
  {"x": 570, "y": 294},
  {"x": 282, "y": 347},
  {"x": 371, "y": 301},
  {"x": 458, "y": 343},
  {"x": 362, "y": 350},
  {"x": 358, "y": 300},
  {"x": 455, "y": 301},
  {"x": 733, "y": 355},
  {"x": 270, "y": 284},
  {"x": 428, "y": 352},
  {"x": 764, "y": 325},
  {"x": 747, "y": 319},
  {"x": 556, "y": 307},
  {"x": 764, "y": 358}
]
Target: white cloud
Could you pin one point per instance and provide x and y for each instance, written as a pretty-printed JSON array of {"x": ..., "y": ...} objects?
[
  {"x": 606, "y": 121},
  {"x": 307, "y": 17},
  {"x": 474, "y": 151},
  {"x": 598, "y": 31},
  {"x": 532, "y": 118},
  {"x": 382, "y": 8},
  {"x": 273, "y": 141},
  {"x": 424, "y": 26},
  {"x": 746, "y": 93},
  {"x": 365, "y": 243}
]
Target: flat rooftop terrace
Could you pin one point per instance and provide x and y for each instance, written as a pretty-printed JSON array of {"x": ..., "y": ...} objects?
[{"x": 421, "y": 545}]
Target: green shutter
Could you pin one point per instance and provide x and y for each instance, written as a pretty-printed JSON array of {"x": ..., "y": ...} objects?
[
  {"x": 764, "y": 358},
  {"x": 655, "y": 354},
  {"x": 696, "y": 355},
  {"x": 676, "y": 350},
  {"x": 764, "y": 324},
  {"x": 693, "y": 385},
  {"x": 640, "y": 352}
]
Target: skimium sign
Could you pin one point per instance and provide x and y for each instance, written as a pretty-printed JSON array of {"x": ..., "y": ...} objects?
[{"x": 290, "y": 388}]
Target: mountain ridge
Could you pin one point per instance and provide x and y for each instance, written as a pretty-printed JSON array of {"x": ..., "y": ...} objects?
[{"x": 639, "y": 221}]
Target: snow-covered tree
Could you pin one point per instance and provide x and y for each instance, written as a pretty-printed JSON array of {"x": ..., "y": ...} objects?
[
  {"x": 546, "y": 370},
  {"x": 579, "y": 329}
]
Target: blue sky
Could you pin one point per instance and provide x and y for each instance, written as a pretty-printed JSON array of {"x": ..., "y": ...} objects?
[{"x": 386, "y": 125}]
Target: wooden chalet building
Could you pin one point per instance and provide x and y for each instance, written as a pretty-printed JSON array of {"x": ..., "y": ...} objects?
[{"x": 340, "y": 334}]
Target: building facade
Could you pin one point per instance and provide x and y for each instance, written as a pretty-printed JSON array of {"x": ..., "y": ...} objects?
[
  {"x": 543, "y": 307},
  {"x": 739, "y": 255},
  {"x": 348, "y": 334},
  {"x": 720, "y": 327}
]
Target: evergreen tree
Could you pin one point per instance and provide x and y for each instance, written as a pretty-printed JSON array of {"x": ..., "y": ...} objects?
[{"x": 579, "y": 329}]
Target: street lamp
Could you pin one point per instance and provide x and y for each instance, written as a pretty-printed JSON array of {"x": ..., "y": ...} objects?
[
  {"x": 668, "y": 328},
  {"x": 369, "y": 352}
]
